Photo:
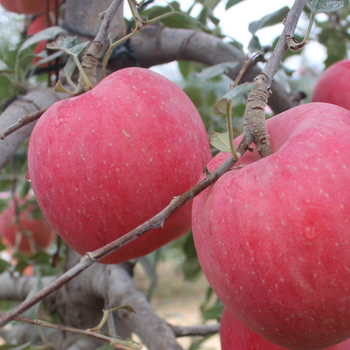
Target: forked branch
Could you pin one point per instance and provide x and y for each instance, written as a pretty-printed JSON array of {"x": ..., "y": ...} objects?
[{"x": 254, "y": 117}]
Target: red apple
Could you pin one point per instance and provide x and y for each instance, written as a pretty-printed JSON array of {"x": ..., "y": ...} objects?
[
  {"x": 234, "y": 335},
  {"x": 27, "y": 7},
  {"x": 34, "y": 234},
  {"x": 273, "y": 237},
  {"x": 39, "y": 24},
  {"x": 104, "y": 162},
  {"x": 333, "y": 85}
]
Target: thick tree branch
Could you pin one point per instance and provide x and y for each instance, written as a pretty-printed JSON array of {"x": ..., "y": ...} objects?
[
  {"x": 32, "y": 102},
  {"x": 156, "y": 221},
  {"x": 158, "y": 44},
  {"x": 153, "y": 330},
  {"x": 201, "y": 330}
]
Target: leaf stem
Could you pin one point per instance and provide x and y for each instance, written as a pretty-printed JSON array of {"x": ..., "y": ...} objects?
[
  {"x": 82, "y": 72},
  {"x": 230, "y": 130}
]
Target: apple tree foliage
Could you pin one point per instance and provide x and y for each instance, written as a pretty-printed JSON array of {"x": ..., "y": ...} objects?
[{"x": 205, "y": 85}]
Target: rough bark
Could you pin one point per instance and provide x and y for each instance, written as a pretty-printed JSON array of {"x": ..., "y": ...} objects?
[
  {"x": 82, "y": 18},
  {"x": 154, "y": 331},
  {"x": 80, "y": 302},
  {"x": 158, "y": 44}
]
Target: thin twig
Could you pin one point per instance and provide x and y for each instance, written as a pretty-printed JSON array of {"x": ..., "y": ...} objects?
[
  {"x": 90, "y": 258},
  {"x": 22, "y": 121},
  {"x": 116, "y": 343},
  {"x": 177, "y": 202}
]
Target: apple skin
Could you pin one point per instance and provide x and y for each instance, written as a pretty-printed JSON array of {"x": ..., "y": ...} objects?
[
  {"x": 273, "y": 237},
  {"x": 234, "y": 335},
  {"x": 27, "y": 7},
  {"x": 106, "y": 161},
  {"x": 41, "y": 233},
  {"x": 333, "y": 85}
]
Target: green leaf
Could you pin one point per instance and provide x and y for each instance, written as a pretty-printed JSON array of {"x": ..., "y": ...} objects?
[
  {"x": 216, "y": 70},
  {"x": 7, "y": 88},
  {"x": 185, "y": 68},
  {"x": 24, "y": 188},
  {"x": 173, "y": 21},
  {"x": 269, "y": 20},
  {"x": 317, "y": 6},
  {"x": 46, "y": 34},
  {"x": 213, "y": 313},
  {"x": 195, "y": 93},
  {"x": 190, "y": 267},
  {"x": 5, "y": 185},
  {"x": 4, "y": 265},
  {"x": 231, "y": 3},
  {"x": 21, "y": 265},
  {"x": 221, "y": 141},
  {"x": 69, "y": 45},
  {"x": 254, "y": 44},
  {"x": 68, "y": 71},
  {"x": 47, "y": 58},
  {"x": 335, "y": 41},
  {"x": 60, "y": 88},
  {"x": 221, "y": 106}
]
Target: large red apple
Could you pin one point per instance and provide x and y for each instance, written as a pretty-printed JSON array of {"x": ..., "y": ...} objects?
[
  {"x": 234, "y": 335},
  {"x": 27, "y": 7},
  {"x": 333, "y": 85},
  {"x": 103, "y": 163},
  {"x": 273, "y": 237},
  {"x": 30, "y": 232}
]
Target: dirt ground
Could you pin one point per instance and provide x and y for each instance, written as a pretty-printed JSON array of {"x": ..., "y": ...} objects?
[{"x": 178, "y": 301}]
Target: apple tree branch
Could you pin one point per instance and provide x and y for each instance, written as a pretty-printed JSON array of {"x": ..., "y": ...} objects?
[
  {"x": 254, "y": 117},
  {"x": 157, "y": 221}
]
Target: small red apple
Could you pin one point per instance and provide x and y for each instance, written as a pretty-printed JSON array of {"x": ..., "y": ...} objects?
[
  {"x": 273, "y": 237},
  {"x": 27, "y": 7},
  {"x": 234, "y": 335},
  {"x": 38, "y": 24},
  {"x": 333, "y": 85},
  {"x": 106, "y": 161},
  {"x": 31, "y": 233}
]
